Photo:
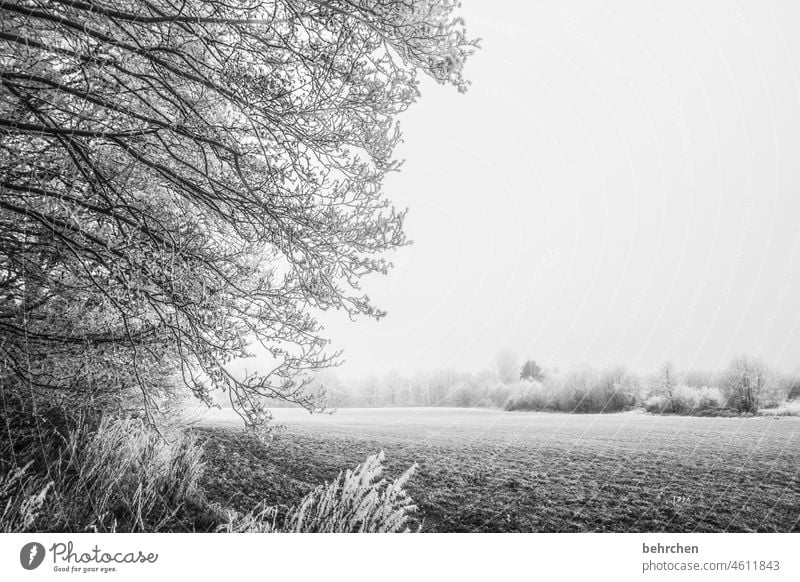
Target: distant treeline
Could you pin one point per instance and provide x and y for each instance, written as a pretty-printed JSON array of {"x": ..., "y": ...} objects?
[{"x": 746, "y": 386}]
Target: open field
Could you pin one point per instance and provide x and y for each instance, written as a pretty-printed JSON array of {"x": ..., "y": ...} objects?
[{"x": 488, "y": 470}]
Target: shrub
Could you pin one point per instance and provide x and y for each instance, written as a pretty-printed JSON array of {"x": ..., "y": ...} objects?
[
  {"x": 615, "y": 390},
  {"x": 709, "y": 397},
  {"x": 657, "y": 404},
  {"x": 689, "y": 400},
  {"x": 529, "y": 396},
  {"x": 783, "y": 387},
  {"x": 686, "y": 400},
  {"x": 500, "y": 393},
  {"x": 582, "y": 390},
  {"x": 791, "y": 408},
  {"x": 746, "y": 382},
  {"x": 585, "y": 390},
  {"x": 353, "y": 502}
]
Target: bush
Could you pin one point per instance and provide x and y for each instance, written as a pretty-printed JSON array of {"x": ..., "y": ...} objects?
[
  {"x": 791, "y": 408},
  {"x": 529, "y": 396},
  {"x": 613, "y": 391},
  {"x": 709, "y": 397},
  {"x": 783, "y": 387},
  {"x": 353, "y": 502},
  {"x": 500, "y": 393},
  {"x": 686, "y": 400},
  {"x": 747, "y": 381},
  {"x": 586, "y": 391},
  {"x": 581, "y": 391},
  {"x": 656, "y": 404}
]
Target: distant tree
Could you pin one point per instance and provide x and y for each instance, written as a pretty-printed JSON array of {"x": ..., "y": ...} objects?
[
  {"x": 793, "y": 387},
  {"x": 785, "y": 386},
  {"x": 370, "y": 389},
  {"x": 394, "y": 389},
  {"x": 507, "y": 365},
  {"x": 616, "y": 389},
  {"x": 577, "y": 392},
  {"x": 442, "y": 384},
  {"x": 531, "y": 371},
  {"x": 419, "y": 387},
  {"x": 745, "y": 381},
  {"x": 181, "y": 178},
  {"x": 665, "y": 381}
]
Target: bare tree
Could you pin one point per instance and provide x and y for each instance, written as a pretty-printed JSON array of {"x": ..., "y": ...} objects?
[
  {"x": 507, "y": 365},
  {"x": 665, "y": 381},
  {"x": 180, "y": 178},
  {"x": 745, "y": 381}
]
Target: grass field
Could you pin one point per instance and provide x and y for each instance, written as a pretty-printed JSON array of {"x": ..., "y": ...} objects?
[{"x": 493, "y": 471}]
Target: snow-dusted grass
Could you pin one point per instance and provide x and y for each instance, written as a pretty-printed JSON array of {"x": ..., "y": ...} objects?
[
  {"x": 791, "y": 408},
  {"x": 490, "y": 470}
]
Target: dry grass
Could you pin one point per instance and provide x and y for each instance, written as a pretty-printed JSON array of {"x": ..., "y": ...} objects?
[
  {"x": 122, "y": 475},
  {"x": 117, "y": 476},
  {"x": 22, "y": 496},
  {"x": 356, "y": 501}
]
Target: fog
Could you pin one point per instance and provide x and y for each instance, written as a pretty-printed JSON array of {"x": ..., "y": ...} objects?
[{"x": 619, "y": 185}]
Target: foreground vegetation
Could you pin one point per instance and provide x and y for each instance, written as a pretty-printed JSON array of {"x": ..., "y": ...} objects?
[
  {"x": 109, "y": 475},
  {"x": 80, "y": 469},
  {"x": 182, "y": 183},
  {"x": 494, "y": 471}
]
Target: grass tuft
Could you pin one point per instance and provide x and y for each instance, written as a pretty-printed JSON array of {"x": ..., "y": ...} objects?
[{"x": 358, "y": 500}]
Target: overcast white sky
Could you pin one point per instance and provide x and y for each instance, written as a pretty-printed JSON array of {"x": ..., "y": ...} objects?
[{"x": 620, "y": 185}]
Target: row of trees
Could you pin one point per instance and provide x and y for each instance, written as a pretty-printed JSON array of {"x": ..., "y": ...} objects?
[
  {"x": 745, "y": 386},
  {"x": 184, "y": 183},
  {"x": 182, "y": 178}
]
